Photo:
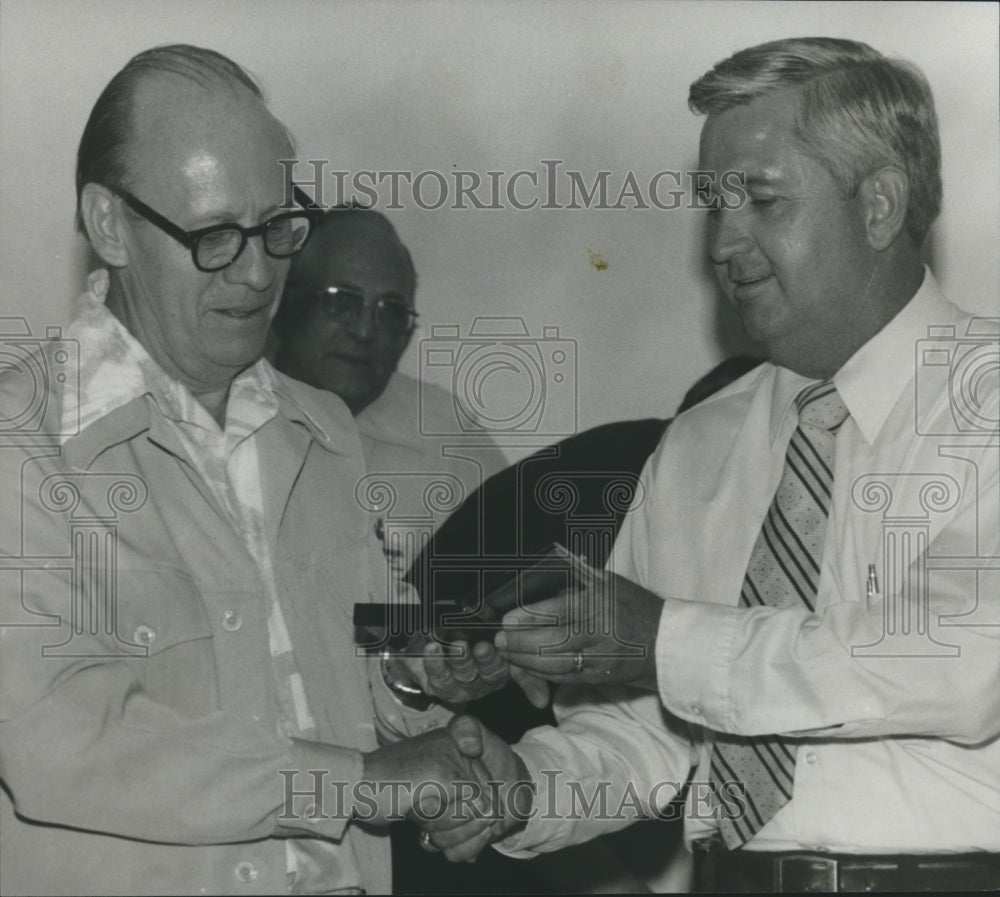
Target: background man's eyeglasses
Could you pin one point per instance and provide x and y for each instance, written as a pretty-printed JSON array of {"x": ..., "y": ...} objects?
[
  {"x": 344, "y": 306},
  {"x": 216, "y": 247}
]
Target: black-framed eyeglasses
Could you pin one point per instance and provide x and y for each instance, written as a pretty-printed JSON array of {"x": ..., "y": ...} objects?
[
  {"x": 219, "y": 245},
  {"x": 345, "y": 305}
]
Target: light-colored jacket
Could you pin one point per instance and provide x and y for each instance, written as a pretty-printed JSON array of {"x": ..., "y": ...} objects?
[{"x": 139, "y": 742}]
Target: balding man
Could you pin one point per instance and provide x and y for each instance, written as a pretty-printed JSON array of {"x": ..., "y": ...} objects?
[
  {"x": 347, "y": 317},
  {"x": 348, "y": 312},
  {"x": 181, "y": 707}
]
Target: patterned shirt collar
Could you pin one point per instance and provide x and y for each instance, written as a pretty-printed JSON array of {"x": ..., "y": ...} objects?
[{"x": 115, "y": 369}]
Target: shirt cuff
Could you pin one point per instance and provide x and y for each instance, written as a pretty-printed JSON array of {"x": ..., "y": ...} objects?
[
  {"x": 555, "y": 813},
  {"x": 536, "y": 837},
  {"x": 694, "y": 646},
  {"x": 318, "y": 789}
]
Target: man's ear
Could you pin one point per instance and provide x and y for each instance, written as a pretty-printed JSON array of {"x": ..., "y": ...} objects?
[
  {"x": 886, "y": 195},
  {"x": 102, "y": 219}
]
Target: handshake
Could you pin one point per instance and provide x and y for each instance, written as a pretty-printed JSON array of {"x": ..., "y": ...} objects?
[{"x": 464, "y": 786}]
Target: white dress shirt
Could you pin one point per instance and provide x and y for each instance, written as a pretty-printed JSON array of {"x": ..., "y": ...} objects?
[{"x": 895, "y": 696}]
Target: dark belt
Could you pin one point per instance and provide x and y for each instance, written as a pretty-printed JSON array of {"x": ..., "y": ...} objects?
[{"x": 718, "y": 869}]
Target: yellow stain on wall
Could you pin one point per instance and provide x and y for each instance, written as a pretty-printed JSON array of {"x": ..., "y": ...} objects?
[{"x": 597, "y": 261}]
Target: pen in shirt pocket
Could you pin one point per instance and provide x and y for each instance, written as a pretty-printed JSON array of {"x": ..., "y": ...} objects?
[{"x": 871, "y": 587}]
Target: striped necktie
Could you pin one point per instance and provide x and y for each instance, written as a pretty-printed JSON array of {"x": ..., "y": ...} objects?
[{"x": 783, "y": 572}]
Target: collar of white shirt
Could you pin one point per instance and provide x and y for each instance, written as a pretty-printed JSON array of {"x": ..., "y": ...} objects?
[{"x": 871, "y": 381}]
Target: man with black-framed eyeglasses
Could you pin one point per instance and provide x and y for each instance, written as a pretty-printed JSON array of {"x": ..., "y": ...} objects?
[
  {"x": 219, "y": 245},
  {"x": 181, "y": 706}
]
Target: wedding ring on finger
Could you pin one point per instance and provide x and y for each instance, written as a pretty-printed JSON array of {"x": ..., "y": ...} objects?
[
  {"x": 427, "y": 844},
  {"x": 577, "y": 662}
]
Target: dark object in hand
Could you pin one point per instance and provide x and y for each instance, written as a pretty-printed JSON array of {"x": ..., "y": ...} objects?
[{"x": 533, "y": 579}]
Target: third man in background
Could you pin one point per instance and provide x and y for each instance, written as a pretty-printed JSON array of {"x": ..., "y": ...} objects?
[{"x": 347, "y": 316}]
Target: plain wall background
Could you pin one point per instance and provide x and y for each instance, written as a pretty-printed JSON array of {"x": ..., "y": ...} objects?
[{"x": 498, "y": 86}]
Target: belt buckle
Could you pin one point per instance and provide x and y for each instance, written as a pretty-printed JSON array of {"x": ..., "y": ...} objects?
[{"x": 805, "y": 873}]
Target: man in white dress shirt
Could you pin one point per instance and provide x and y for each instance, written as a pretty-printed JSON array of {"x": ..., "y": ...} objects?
[{"x": 831, "y": 692}]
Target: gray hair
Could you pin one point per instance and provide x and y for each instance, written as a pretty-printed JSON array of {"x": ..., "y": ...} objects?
[{"x": 858, "y": 111}]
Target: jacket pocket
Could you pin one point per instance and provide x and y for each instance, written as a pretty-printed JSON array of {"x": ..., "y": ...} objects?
[{"x": 164, "y": 630}]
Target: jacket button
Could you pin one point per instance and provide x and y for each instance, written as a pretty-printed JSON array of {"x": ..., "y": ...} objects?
[
  {"x": 812, "y": 759},
  {"x": 247, "y": 872},
  {"x": 144, "y": 635},
  {"x": 232, "y": 620}
]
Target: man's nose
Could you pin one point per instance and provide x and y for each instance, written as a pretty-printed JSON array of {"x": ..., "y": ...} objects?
[
  {"x": 253, "y": 267},
  {"x": 728, "y": 235},
  {"x": 361, "y": 324}
]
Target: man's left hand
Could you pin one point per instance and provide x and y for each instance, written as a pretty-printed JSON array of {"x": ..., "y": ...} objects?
[
  {"x": 457, "y": 673},
  {"x": 602, "y": 632}
]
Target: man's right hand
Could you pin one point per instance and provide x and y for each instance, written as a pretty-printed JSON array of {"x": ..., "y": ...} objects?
[
  {"x": 422, "y": 777},
  {"x": 463, "y": 838}
]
